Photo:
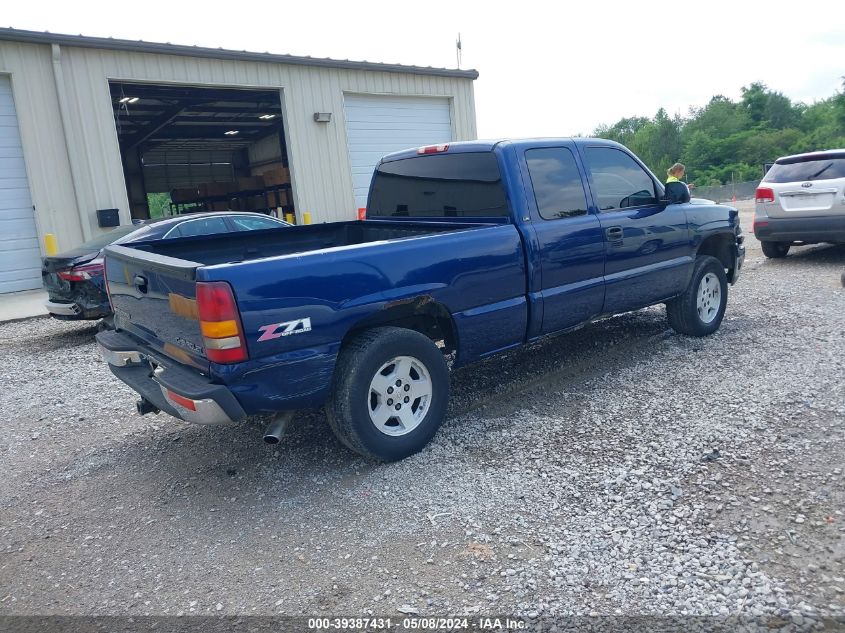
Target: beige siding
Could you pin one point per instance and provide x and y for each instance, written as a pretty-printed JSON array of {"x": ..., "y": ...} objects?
[
  {"x": 44, "y": 148},
  {"x": 318, "y": 155}
]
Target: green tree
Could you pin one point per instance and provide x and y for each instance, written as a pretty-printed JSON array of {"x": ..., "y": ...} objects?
[
  {"x": 754, "y": 100},
  {"x": 159, "y": 204},
  {"x": 730, "y": 140}
]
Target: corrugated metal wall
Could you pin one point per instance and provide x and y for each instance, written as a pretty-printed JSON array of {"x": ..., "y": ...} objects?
[
  {"x": 318, "y": 154},
  {"x": 44, "y": 148}
]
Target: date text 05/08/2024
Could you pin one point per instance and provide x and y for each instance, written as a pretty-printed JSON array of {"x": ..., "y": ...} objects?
[{"x": 416, "y": 624}]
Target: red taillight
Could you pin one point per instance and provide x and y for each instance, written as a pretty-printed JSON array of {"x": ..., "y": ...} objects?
[
  {"x": 433, "y": 149},
  {"x": 765, "y": 194},
  {"x": 181, "y": 400},
  {"x": 82, "y": 273},
  {"x": 220, "y": 322}
]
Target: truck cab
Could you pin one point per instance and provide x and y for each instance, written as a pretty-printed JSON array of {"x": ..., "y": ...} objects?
[{"x": 599, "y": 237}]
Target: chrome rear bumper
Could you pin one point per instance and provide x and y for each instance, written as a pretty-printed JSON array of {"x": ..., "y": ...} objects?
[
  {"x": 168, "y": 386},
  {"x": 62, "y": 309}
]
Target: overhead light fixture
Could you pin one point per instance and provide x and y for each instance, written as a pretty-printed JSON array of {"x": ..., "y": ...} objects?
[
  {"x": 129, "y": 99},
  {"x": 267, "y": 117},
  {"x": 134, "y": 99},
  {"x": 231, "y": 132}
]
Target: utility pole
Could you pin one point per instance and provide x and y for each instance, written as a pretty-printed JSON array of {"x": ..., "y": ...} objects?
[{"x": 458, "y": 49}]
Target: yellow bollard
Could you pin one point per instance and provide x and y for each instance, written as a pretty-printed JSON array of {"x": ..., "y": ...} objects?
[
  {"x": 51, "y": 245},
  {"x": 289, "y": 218},
  {"x": 306, "y": 217}
]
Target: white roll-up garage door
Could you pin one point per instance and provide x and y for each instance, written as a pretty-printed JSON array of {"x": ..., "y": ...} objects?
[
  {"x": 20, "y": 258},
  {"x": 377, "y": 125}
]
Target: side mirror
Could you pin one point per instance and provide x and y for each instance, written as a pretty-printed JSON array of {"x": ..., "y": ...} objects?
[{"x": 663, "y": 202}]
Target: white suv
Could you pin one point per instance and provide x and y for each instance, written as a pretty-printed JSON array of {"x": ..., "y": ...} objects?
[{"x": 801, "y": 199}]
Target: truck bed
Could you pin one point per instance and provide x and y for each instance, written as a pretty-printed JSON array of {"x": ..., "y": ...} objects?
[
  {"x": 329, "y": 274},
  {"x": 238, "y": 247}
]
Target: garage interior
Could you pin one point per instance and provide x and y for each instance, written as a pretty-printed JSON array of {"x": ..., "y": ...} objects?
[{"x": 188, "y": 149}]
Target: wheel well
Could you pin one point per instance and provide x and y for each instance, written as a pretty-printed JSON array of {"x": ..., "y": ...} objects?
[
  {"x": 421, "y": 314},
  {"x": 719, "y": 246}
]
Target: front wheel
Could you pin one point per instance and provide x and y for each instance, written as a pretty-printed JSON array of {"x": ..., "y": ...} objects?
[
  {"x": 775, "y": 250},
  {"x": 700, "y": 309},
  {"x": 390, "y": 391}
]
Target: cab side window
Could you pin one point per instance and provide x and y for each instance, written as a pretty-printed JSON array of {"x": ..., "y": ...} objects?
[
  {"x": 556, "y": 181},
  {"x": 618, "y": 180}
]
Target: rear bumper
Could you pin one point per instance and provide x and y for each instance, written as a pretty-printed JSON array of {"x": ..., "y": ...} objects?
[
  {"x": 175, "y": 389},
  {"x": 823, "y": 229},
  {"x": 63, "y": 309},
  {"x": 67, "y": 310}
]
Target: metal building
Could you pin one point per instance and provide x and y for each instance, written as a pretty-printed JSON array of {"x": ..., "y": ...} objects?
[{"x": 92, "y": 124}]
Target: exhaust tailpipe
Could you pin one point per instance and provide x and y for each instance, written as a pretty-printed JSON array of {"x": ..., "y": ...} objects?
[
  {"x": 144, "y": 406},
  {"x": 277, "y": 427}
]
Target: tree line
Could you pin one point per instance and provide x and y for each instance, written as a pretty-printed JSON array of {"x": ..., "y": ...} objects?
[{"x": 728, "y": 140}]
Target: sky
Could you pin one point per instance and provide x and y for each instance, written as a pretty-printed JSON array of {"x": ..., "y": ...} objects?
[{"x": 546, "y": 68}]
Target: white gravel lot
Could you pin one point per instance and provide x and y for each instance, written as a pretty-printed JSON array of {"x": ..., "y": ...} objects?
[{"x": 622, "y": 469}]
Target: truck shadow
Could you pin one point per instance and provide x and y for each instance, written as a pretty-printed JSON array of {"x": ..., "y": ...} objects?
[
  {"x": 64, "y": 335},
  {"x": 556, "y": 362}
]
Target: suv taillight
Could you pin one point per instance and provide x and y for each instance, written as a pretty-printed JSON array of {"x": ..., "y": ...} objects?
[
  {"x": 764, "y": 194},
  {"x": 222, "y": 332}
]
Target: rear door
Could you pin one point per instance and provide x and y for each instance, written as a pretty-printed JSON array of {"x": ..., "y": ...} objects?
[
  {"x": 377, "y": 125},
  {"x": 648, "y": 250},
  {"x": 569, "y": 238},
  {"x": 20, "y": 256},
  {"x": 807, "y": 186}
]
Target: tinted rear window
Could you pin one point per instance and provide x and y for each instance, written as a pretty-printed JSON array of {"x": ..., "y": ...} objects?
[
  {"x": 436, "y": 186},
  {"x": 803, "y": 170}
]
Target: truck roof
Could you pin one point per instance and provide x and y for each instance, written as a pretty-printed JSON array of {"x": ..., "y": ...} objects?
[{"x": 488, "y": 145}]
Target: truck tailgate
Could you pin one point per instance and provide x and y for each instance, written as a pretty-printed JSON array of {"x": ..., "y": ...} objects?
[{"x": 154, "y": 299}]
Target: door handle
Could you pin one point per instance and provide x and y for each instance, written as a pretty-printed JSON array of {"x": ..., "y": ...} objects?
[{"x": 614, "y": 233}]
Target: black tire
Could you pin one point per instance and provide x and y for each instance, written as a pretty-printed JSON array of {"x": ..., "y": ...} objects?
[
  {"x": 348, "y": 408},
  {"x": 682, "y": 311},
  {"x": 775, "y": 250}
]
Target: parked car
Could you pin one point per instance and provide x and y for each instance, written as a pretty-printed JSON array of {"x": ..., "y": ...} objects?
[
  {"x": 74, "y": 279},
  {"x": 801, "y": 200},
  {"x": 468, "y": 249}
]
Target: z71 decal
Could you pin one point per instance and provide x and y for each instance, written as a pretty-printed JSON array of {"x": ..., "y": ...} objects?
[{"x": 278, "y": 330}]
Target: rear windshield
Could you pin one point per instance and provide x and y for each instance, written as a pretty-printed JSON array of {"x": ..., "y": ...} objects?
[
  {"x": 437, "y": 186},
  {"x": 807, "y": 169}
]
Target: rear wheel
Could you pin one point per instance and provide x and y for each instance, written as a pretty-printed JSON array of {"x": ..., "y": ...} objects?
[
  {"x": 700, "y": 309},
  {"x": 775, "y": 250},
  {"x": 390, "y": 391}
]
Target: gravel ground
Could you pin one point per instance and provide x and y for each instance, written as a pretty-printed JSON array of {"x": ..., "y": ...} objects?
[{"x": 622, "y": 469}]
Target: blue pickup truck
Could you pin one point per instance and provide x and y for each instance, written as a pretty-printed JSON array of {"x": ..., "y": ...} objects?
[{"x": 468, "y": 250}]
